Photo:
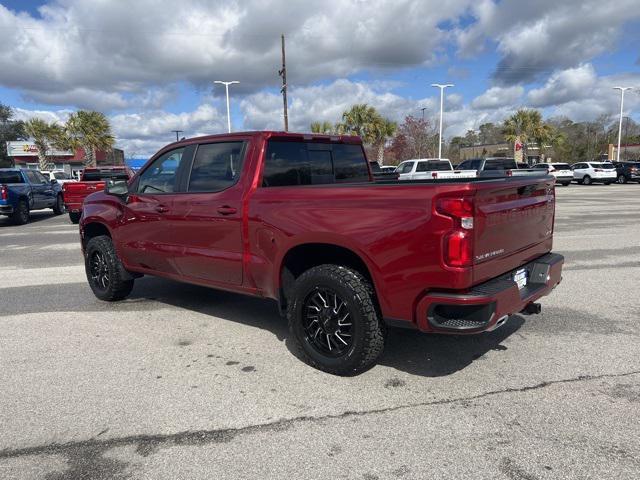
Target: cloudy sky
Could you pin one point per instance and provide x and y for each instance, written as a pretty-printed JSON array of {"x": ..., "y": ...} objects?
[{"x": 150, "y": 64}]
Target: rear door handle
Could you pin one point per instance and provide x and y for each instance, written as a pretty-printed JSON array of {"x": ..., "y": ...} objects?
[
  {"x": 226, "y": 210},
  {"x": 162, "y": 209}
]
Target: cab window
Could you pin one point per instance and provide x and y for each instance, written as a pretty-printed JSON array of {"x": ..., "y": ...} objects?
[{"x": 161, "y": 176}]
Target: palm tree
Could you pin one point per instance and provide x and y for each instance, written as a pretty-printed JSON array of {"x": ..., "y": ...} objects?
[
  {"x": 91, "y": 131},
  {"x": 322, "y": 127},
  {"x": 44, "y": 135},
  {"x": 360, "y": 120},
  {"x": 382, "y": 130}
]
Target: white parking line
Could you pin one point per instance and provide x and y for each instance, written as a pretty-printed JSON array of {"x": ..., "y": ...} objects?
[
  {"x": 28, "y": 277},
  {"x": 43, "y": 248},
  {"x": 24, "y": 234}
]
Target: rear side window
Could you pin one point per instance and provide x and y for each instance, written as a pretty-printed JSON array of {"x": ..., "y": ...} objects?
[
  {"x": 300, "y": 163},
  {"x": 349, "y": 163},
  {"x": 11, "y": 177},
  {"x": 216, "y": 166}
]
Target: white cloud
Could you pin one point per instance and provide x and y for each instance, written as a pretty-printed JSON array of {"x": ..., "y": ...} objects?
[
  {"x": 535, "y": 38},
  {"x": 263, "y": 110},
  {"x": 106, "y": 55},
  {"x": 563, "y": 86},
  {"x": 496, "y": 97}
]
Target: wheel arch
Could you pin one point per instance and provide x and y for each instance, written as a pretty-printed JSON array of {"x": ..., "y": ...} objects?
[{"x": 303, "y": 256}]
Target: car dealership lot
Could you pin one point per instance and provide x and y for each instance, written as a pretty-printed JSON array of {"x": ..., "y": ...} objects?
[{"x": 183, "y": 382}]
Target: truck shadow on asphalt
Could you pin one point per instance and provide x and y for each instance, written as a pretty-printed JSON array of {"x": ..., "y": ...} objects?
[
  {"x": 35, "y": 216},
  {"x": 406, "y": 350}
]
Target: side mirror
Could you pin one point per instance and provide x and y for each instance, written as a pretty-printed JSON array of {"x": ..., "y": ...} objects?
[{"x": 118, "y": 188}]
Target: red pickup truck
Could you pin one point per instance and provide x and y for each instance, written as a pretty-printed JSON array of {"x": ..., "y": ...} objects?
[
  {"x": 299, "y": 219},
  {"x": 91, "y": 180}
]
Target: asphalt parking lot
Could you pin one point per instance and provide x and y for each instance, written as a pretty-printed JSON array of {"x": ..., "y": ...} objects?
[{"x": 183, "y": 382}]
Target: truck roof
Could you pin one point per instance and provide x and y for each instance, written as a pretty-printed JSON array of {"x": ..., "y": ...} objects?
[{"x": 270, "y": 134}]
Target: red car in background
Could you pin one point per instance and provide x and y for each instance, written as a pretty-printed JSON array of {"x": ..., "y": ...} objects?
[{"x": 91, "y": 181}]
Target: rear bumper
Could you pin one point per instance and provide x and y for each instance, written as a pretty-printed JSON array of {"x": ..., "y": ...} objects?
[
  {"x": 6, "y": 209},
  {"x": 73, "y": 207},
  {"x": 485, "y": 306}
]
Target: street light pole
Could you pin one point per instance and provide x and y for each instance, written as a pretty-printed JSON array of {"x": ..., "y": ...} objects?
[
  {"x": 441, "y": 87},
  {"x": 226, "y": 87},
  {"x": 423, "y": 109},
  {"x": 177, "y": 132},
  {"x": 622, "y": 90}
]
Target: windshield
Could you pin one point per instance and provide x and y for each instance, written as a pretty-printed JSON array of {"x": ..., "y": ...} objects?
[
  {"x": 561, "y": 166},
  {"x": 603, "y": 165}
]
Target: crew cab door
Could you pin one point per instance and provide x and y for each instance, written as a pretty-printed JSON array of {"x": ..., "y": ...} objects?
[
  {"x": 145, "y": 234},
  {"x": 207, "y": 219}
]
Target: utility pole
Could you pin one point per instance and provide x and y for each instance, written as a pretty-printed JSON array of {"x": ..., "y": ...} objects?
[
  {"x": 283, "y": 74},
  {"x": 423, "y": 109},
  {"x": 441, "y": 87},
  {"x": 622, "y": 90},
  {"x": 226, "y": 87},
  {"x": 177, "y": 132}
]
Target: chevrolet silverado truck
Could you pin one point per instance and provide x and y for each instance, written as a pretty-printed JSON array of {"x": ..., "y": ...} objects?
[
  {"x": 299, "y": 219},
  {"x": 91, "y": 180},
  {"x": 24, "y": 190}
]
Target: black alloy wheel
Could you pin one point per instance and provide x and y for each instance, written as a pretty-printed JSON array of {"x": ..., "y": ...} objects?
[
  {"x": 327, "y": 323},
  {"x": 21, "y": 214},
  {"x": 106, "y": 275},
  {"x": 99, "y": 271}
]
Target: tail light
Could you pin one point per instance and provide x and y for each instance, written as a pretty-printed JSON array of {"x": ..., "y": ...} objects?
[
  {"x": 509, "y": 173},
  {"x": 4, "y": 194},
  {"x": 458, "y": 243},
  {"x": 434, "y": 174}
]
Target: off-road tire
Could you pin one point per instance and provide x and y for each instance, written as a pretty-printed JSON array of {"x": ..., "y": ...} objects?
[
  {"x": 74, "y": 217},
  {"x": 369, "y": 329},
  {"x": 119, "y": 287},
  {"x": 21, "y": 214},
  {"x": 58, "y": 207}
]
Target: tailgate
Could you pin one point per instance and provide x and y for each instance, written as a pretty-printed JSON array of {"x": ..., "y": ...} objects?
[
  {"x": 513, "y": 216},
  {"x": 75, "y": 192}
]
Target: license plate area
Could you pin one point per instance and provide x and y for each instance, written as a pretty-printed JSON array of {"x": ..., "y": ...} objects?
[{"x": 521, "y": 278}]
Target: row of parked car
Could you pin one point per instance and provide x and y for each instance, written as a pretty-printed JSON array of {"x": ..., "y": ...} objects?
[
  {"x": 584, "y": 173},
  {"x": 24, "y": 190}
]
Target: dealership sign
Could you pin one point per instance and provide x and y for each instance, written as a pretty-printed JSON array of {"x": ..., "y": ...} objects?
[{"x": 28, "y": 149}]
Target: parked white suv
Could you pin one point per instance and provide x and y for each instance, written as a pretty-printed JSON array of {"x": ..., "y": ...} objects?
[
  {"x": 587, "y": 173},
  {"x": 562, "y": 171},
  {"x": 430, "y": 168}
]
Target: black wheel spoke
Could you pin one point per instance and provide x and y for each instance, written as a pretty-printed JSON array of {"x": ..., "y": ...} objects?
[{"x": 326, "y": 321}]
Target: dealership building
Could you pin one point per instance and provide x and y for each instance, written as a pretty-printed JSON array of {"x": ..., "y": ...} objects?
[{"x": 24, "y": 154}]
